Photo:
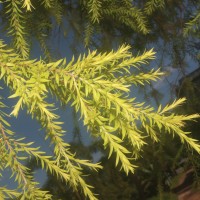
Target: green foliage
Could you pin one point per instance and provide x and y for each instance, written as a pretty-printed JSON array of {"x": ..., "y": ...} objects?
[
  {"x": 124, "y": 12},
  {"x": 28, "y": 5},
  {"x": 133, "y": 17},
  {"x": 193, "y": 25},
  {"x": 97, "y": 85},
  {"x": 94, "y": 7},
  {"x": 16, "y": 25},
  {"x": 153, "y": 5},
  {"x": 120, "y": 13}
]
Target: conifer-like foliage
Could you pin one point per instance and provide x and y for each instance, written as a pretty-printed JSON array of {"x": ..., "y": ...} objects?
[
  {"x": 97, "y": 85},
  {"x": 193, "y": 25}
]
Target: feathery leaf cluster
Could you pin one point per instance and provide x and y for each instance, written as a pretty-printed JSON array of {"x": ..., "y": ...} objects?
[
  {"x": 152, "y": 5},
  {"x": 17, "y": 21},
  {"x": 20, "y": 14},
  {"x": 98, "y": 86},
  {"x": 124, "y": 13},
  {"x": 193, "y": 25},
  {"x": 26, "y": 19}
]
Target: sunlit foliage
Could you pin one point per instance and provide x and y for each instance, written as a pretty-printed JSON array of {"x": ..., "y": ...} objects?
[{"x": 98, "y": 85}]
